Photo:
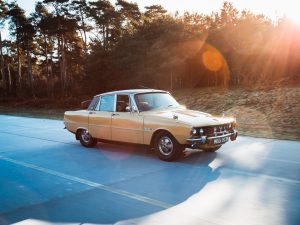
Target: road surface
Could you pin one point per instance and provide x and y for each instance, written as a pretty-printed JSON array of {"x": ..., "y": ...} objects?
[{"x": 47, "y": 177}]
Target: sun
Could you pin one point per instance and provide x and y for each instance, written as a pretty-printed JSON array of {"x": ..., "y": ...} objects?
[
  {"x": 294, "y": 17},
  {"x": 291, "y": 12}
]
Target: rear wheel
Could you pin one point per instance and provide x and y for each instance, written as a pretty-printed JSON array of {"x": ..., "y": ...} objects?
[
  {"x": 86, "y": 139},
  {"x": 213, "y": 149},
  {"x": 166, "y": 147}
]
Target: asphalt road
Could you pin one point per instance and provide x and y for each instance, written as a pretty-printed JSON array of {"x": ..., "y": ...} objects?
[{"x": 47, "y": 177}]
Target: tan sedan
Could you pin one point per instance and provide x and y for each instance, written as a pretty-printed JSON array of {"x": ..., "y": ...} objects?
[{"x": 149, "y": 117}]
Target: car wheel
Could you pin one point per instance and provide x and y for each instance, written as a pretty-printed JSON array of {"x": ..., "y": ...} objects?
[
  {"x": 166, "y": 147},
  {"x": 86, "y": 139},
  {"x": 212, "y": 149}
]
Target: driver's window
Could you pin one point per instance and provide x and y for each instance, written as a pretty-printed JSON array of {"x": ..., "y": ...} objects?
[{"x": 123, "y": 103}]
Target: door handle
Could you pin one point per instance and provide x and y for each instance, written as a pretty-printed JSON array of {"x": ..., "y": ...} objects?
[
  {"x": 92, "y": 113},
  {"x": 115, "y": 114}
]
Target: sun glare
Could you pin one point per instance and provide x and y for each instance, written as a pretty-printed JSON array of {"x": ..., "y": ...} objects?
[
  {"x": 294, "y": 17},
  {"x": 290, "y": 11}
]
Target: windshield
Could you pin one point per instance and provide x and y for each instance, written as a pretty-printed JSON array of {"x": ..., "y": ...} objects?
[{"x": 155, "y": 100}]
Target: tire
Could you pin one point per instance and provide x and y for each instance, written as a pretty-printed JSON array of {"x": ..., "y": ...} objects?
[
  {"x": 166, "y": 147},
  {"x": 86, "y": 139},
  {"x": 212, "y": 149}
]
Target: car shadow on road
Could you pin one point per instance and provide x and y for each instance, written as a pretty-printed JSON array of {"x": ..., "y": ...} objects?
[
  {"x": 124, "y": 150},
  {"x": 169, "y": 182},
  {"x": 190, "y": 156}
]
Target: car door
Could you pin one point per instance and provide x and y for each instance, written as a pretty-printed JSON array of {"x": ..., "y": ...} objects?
[
  {"x": 100, "y": 118},
  {"x": 126, "y": 126}
]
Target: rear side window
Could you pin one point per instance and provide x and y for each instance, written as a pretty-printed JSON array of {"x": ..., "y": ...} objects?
[
  {"x": 106, "y": 103},
  {"x": 93, "y": 103}
]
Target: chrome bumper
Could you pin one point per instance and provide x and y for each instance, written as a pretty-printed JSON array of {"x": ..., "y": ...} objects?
[{"x": 196, "y": 142}]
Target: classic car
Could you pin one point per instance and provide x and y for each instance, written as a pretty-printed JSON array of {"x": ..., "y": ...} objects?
[{"x": 149, "y": 117}]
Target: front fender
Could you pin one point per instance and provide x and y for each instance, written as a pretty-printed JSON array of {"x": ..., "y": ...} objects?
[{"x": 179, "y": 130}]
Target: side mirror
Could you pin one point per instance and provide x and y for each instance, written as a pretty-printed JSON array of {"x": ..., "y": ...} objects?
[
  {"x": 85, "y": 104},
  {"x": 127, "y": 109},
  {"x": 133, "y": 109}
]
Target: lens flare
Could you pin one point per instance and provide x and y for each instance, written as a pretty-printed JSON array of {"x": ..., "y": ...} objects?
[
  {"x": 213, "y": 66},
  {"x": 212, "y": 60}
]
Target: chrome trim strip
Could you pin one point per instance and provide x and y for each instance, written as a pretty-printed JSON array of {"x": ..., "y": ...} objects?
[
  {"x": 96, "y": 125},
  {"x": 196, "y": 139},
  {"x": 146, "y": 129},
  {"x": 71, "y": 122},
  {"x": 132, "y": 98},
  {"x": 215, "y": 137},
  {"x": 122, "y": 128},
  {"x": 115, "y": 103}
]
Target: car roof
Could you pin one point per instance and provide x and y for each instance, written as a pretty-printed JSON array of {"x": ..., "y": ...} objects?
[{"x": 132, "y": 91}]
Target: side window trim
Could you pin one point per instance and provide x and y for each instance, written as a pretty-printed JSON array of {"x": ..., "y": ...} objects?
[
  {"x": 133, "y": 102},
  {"x": 97, "y": 107},
  {"x": 115, "y": 103},
  {"x": 94, "y": 103}
]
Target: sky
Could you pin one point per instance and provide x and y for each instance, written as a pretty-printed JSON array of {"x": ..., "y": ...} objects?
[{"x": 271, "y": 8}]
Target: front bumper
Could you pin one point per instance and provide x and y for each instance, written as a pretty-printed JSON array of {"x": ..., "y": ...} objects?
[{"x": 210, "y": 141}]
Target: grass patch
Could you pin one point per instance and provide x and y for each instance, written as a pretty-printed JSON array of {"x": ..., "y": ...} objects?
[
  {"x": 56, "y": 114},
  {"x": 270, "y": 113}
]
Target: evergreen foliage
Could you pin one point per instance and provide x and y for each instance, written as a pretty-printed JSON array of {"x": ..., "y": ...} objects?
[{"x": 75, "y": 47}]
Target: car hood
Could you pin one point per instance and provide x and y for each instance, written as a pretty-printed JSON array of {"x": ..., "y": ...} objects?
[{"x": 192, "y": 117}]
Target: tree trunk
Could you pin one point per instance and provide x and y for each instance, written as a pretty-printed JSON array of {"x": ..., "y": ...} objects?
[
  {"x": 63, "y": 69},
  {"x": 52, "y": 76},
  {"x": 59, "y": 54},
  {"x": 29, "y": 72},
  {"x": 84, "y": 31},
  {"x": 47, "y": 67},
  {"x": 2, "y": 72},
  {"x": 19, "y": 70},
  {"x": 104, "y": 37},
  {"x": 9, "y": 77}
]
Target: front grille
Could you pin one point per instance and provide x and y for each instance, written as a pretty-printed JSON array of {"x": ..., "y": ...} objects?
[
  {"x": 211, "y": 131},
  {"x": 217, "y": 130}
]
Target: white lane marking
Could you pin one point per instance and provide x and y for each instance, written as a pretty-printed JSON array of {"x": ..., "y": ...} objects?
[
  {"x": 281, "y": 160},
  {"x": 43, "y": 139},
  {"x": 127, "y": 194},
  {"x": 257, "y": 175}
]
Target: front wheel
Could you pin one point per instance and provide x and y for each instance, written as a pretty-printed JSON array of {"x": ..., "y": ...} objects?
[
  {"x": 86, "y": 139},
  {"x": 166, "y": 147}
]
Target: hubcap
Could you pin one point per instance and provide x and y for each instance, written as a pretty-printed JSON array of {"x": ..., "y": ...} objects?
[
  {"x": 165, "y": 145},
  {"x": 85, "y": 136}
]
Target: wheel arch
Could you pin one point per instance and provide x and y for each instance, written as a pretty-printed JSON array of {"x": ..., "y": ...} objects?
[{"x": 157, "y": 132}]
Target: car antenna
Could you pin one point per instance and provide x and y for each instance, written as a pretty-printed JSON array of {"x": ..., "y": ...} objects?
[{"x": 141, "y": 86}]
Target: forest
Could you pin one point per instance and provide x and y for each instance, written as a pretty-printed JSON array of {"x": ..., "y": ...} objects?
[{"x": 78, "y": 47}]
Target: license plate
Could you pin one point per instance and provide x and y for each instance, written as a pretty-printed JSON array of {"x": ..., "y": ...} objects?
[{"x": 220, "y": 140}]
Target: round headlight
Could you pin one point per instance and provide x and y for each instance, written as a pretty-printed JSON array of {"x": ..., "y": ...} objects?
[
  {"x": 201, "y": 131},
  {"x": 194, "y": 131}
]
